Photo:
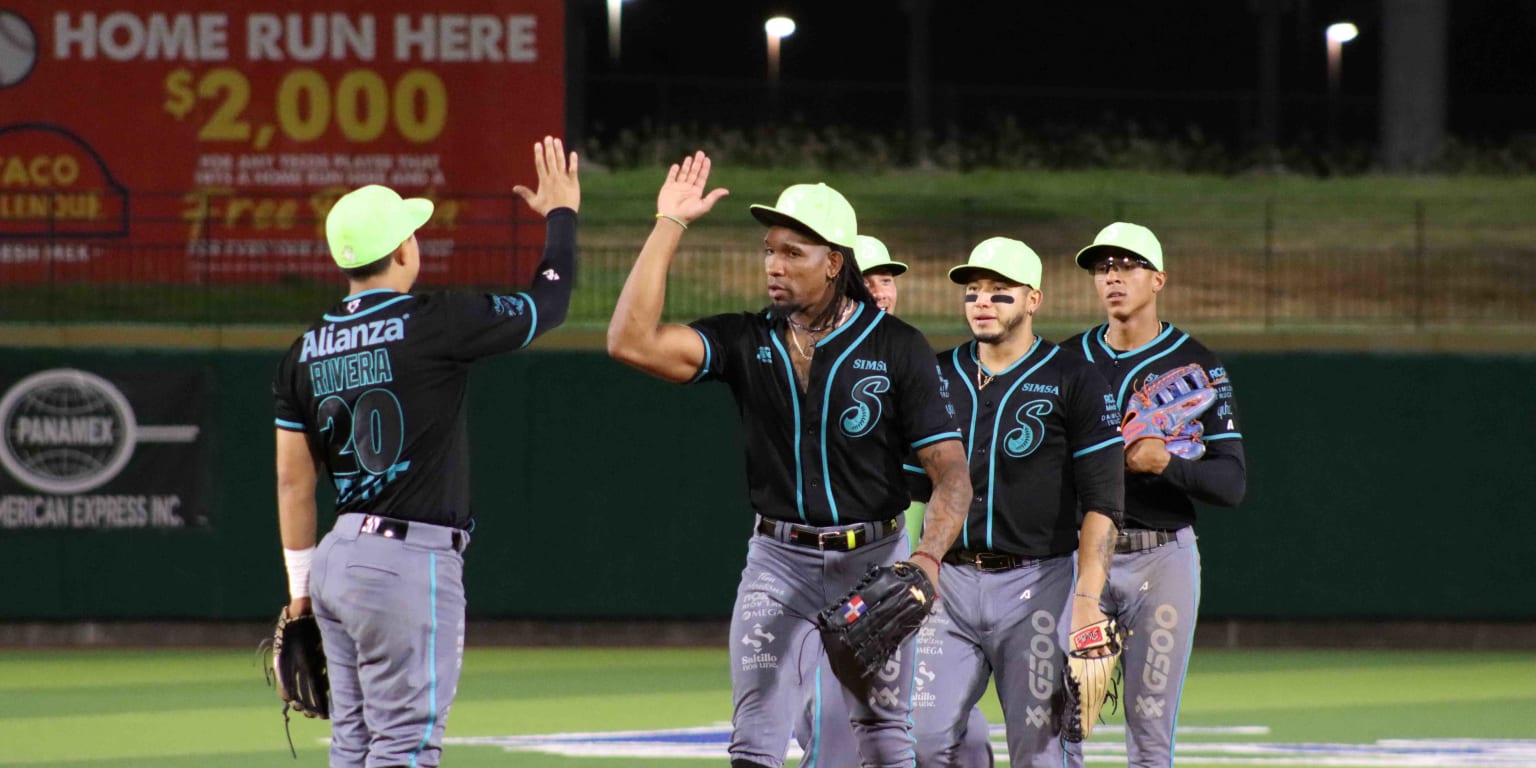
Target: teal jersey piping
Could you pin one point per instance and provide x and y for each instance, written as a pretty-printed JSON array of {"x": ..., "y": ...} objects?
[
  {"x": 1102, "y": 336},
  {"x": 708, "y": 355},
  {"x": 826, "y": 401},
  {"x": 997, "y": 424},
  {"x": 1100, "y": 446},
  {"x": 970, "y": 439},
  {"x": 858, "y": 310},
  {"x": 1178, "y": 697},
  {"x": 370, "y": 292},
  {"x": 431, "y": 665},
  {"x": 794, "y": 406},
  {"x": 348, "y": 318},
  {"x": 533, "y": 322}
]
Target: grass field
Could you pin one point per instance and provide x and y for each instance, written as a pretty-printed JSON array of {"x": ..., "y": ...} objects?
[{"x": 201, "y": 708}]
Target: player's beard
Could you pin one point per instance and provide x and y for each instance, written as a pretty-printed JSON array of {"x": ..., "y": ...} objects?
[
  {"x": 1009, "y": 326},
  {"x": 782, "y": 311}
]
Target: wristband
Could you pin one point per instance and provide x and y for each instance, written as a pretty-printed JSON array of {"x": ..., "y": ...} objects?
[
  {"x": 936, "y": 564},
  {"x": 673, "y": 219},
  {"x": 297, "y": 562}
]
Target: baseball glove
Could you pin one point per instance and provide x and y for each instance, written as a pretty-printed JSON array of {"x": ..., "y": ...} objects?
[
  {"x": 298, "y": 668},
  {"x": 884, "y": 609},
  {"x": 1089, "y": 681},
  {"x": 1168, "y": 408}
]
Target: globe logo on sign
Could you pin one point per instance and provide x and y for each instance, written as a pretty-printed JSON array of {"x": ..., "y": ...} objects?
[{"x": 65, "y": 431}]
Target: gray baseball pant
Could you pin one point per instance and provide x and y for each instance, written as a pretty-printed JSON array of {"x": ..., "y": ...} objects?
[
  {"x": 827, "y": 740},
  {"x": 391, "y": 615},
  {"x": 1155, "y": 594},
  {"x": 1006, "y": 624},
  {"x": 783, "y": 587}
]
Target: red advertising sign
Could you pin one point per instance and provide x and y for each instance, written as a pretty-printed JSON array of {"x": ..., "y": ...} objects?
[{"x": 195, "y": 140}]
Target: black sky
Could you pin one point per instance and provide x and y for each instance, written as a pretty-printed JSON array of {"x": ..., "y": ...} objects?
[{"x": 1141, "y": 46}]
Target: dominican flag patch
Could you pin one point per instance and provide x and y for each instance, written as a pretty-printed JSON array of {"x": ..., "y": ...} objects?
[{"x": 854, "y": 609}]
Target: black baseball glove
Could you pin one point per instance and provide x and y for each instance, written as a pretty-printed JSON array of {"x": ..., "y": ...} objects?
[
  {"x": 884, "y": 609},
  {"x": 298, "y": 668}
]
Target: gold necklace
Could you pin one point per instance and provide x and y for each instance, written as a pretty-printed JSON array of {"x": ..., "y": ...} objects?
[
  {"x": 983, "y": 379},
  {"x": 795, "y": 339}
]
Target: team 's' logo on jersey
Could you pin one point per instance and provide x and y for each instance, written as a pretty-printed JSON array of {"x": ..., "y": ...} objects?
[
  {"x": 860, "y": 418},
  {"x": 1024, "y": 439}
]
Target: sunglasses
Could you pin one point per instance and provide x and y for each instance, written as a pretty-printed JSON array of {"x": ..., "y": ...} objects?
[{"x": 1121, "y": 263}]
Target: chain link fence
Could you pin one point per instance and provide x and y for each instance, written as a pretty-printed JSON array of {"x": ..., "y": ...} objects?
[{"x": 1249, "y": 264}]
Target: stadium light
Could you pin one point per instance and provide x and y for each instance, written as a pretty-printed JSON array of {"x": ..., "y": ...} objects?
[
  {"x": 778, "y": 28},
  {"x": 1342, "y": 32},
  {"x": 1337, "y": 35},
  {"x": 615, "y": 14}
]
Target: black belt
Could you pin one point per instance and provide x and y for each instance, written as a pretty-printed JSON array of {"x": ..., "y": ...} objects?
[
  {"x": 390, "y": 528},
  {"x": 987, "y": 562},
  {"x": 841, "y": 539},
  {"x": 1139, "y": 540}
]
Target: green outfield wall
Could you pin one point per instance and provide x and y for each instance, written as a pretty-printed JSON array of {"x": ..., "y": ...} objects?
[{"x": 1381, "y": 485}]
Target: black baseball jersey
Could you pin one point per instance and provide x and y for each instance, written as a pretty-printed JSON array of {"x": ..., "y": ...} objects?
[
  {"x": 1043, "y": 441},
  {"x": 831, "y": 455},
  {"x": 378, "y": 384},
  {"x": 1163, "y": 502}
]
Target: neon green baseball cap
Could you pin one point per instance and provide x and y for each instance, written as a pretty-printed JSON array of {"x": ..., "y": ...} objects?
[
  {"x": 815, "y": 208},
  {"x": 1128, "y": 237},
  {"x": 1005, "y": 257},
  {"x": 370, "y": 222},
  {"x": 872, "y": 254}
]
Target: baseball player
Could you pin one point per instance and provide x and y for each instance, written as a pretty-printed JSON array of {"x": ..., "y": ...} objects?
[
  {"x": 822, "y": 730},
  {"x": 1154, "y": 583},
  {"x": 832, "y": 393},
  {"x": 373, "y": 394},
  {"x": 1045, "y": 458},
  {"x": 879, "y": 270}
]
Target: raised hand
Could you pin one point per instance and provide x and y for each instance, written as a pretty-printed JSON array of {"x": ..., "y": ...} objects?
[
  {"x": 559, "y": 186},
  {"x": 682, "y": 195}
]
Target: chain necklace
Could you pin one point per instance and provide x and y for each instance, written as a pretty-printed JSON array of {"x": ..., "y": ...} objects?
[
  {"x": 810, "y": 333},
  {"x": 983, "y": 379},
  {"x": 795, "y": 339}
]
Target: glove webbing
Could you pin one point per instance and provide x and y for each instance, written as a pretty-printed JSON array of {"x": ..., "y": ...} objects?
[{"x": 264, "y": 658}]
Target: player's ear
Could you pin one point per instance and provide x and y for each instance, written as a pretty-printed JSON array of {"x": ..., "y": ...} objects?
[
  {"x": 402, "y": 254},
  {"x": 834, "y": 264},
  {"x": 1036, "y": 298},
  {"x": 1158, "y": 280}
]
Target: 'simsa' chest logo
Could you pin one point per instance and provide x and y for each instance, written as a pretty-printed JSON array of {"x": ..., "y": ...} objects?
[{"x": 869, "y": 365}]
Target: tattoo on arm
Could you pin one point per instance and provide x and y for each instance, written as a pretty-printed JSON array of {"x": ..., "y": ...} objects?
[{"x": 951, "y": 497}]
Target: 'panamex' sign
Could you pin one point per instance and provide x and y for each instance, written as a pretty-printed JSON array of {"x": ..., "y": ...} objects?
[{"x": 76, "y": 454}]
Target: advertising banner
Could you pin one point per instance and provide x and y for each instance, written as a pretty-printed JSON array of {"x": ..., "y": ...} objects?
[
  {"x": 204, "y": 140},
  {"x": 95, "y": 450}
]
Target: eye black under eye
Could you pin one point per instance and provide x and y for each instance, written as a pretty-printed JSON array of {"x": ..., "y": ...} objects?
[{"x": 1002, "y": 298}]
